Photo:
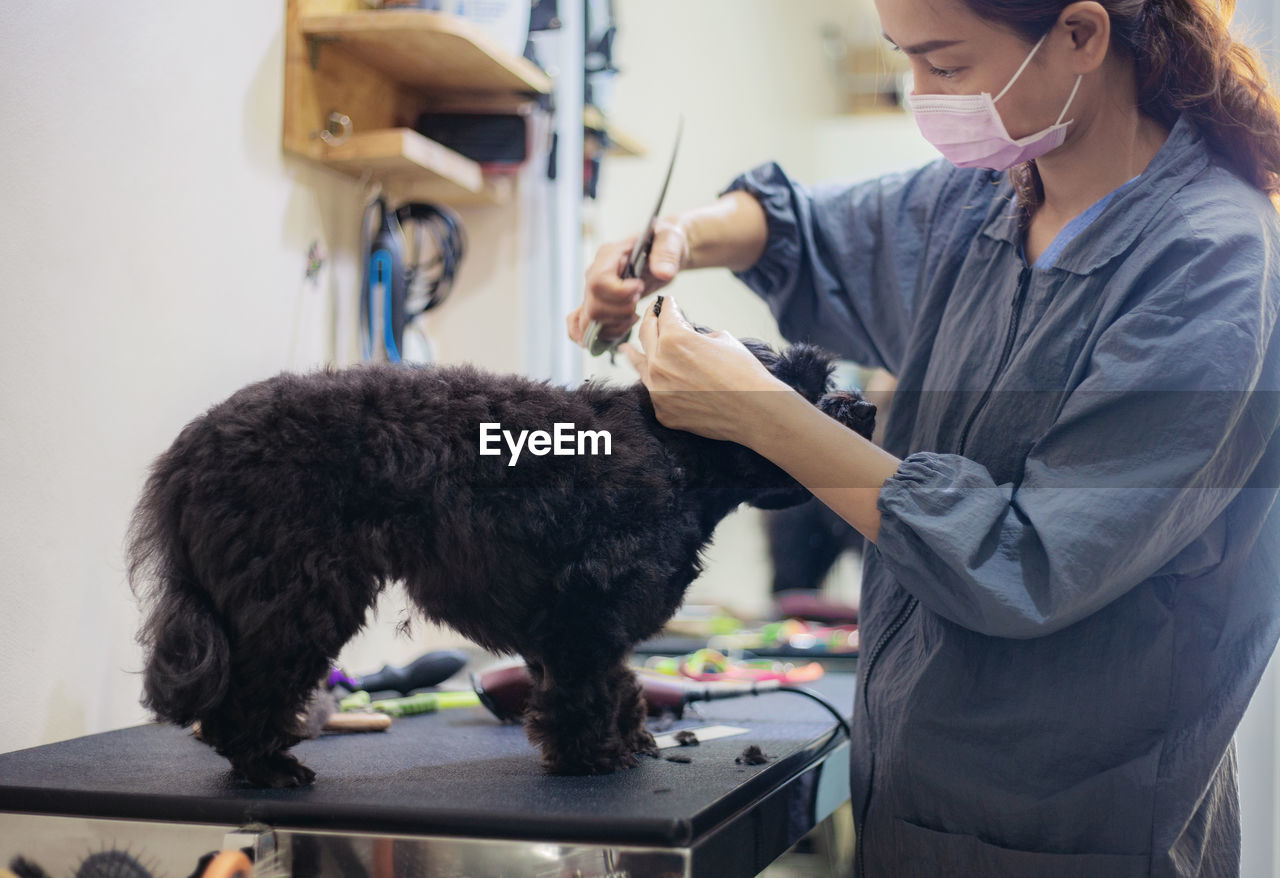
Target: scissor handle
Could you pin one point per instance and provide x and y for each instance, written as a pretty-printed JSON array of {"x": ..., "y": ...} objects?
[
  {"x": 597, "y": 345},
  {"x": 637, "y": 266}
]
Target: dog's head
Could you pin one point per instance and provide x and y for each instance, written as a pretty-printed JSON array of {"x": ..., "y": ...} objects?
[{"x": 807, "y": 369}]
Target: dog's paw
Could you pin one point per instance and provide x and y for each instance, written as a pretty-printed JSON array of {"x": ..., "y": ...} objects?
[
  {"x": 605, "y": 761},
  {"x": 276, "y": 771},
  {"x": 624, "y": 760},
  {"x": 643, "y": 743}
]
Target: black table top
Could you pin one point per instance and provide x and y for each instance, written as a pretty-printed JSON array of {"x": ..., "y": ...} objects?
[{"x": 457, "y": 772}]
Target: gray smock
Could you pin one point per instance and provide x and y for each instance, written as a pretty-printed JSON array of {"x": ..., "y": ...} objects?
[{"x": 1076, "y": 584}]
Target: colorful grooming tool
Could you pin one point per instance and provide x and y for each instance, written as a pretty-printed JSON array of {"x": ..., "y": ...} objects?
[{"x": 409, "y": 705}]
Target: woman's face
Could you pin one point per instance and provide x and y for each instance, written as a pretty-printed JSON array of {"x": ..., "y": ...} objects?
[{"x": 953, "y": 52}]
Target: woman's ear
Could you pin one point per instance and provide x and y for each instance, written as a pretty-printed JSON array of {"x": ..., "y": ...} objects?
[
  {"x": 807, "y": 368},
  {"x": 1089, "y": 26}
]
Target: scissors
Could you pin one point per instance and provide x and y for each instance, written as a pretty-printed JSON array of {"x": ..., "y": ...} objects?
[{"x": 636, "y": 262}]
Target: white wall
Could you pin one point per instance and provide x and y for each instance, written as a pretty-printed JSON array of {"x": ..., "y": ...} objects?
[
  {"x": 154, "y": 240},
  {"x": 1258, "y": 739},
  {"x": 1258, "y": 23}
]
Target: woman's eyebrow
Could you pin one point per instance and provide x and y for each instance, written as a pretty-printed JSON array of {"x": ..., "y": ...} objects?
[{"x": 925, "y": 47}]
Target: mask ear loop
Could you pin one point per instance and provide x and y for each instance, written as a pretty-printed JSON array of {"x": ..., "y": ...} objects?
[
  {"x": 1070, "y": 98},
  {"x": 1025, "y": 62}
]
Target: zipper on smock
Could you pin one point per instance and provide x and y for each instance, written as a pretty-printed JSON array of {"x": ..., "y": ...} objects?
[
  {"x": 894, "y": 627},
  {"x": 1014, "y": 317},
  {"x": 900, "y": 620}
]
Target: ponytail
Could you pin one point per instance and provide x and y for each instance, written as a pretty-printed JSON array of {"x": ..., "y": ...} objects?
[{"x": 1187, "y": 62}]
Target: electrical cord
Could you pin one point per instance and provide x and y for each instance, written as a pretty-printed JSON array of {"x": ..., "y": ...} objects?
[
  {"x": 439, "y": 244},
  {"x": 831, "y": 708},
  {"x": 761, "y": 687},
  {"x": 367, "y": 306},
  {"x": 418, "y": 255}
]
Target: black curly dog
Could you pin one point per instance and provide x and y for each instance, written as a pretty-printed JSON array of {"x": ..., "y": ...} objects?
[{"x": 265, "y": 533}]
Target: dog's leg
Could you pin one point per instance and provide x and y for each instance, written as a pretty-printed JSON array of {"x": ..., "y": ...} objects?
[
  {"x": 255, "y": 740},
  {"x": 572, "y": 717},
  {"x": 256, "y": 722},
  {"x": 281, "y": 649},
  {"x": 631, "y": 711}
]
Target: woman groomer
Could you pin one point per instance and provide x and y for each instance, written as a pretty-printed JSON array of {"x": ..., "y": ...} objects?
[{"x": 1075, "y": 583}]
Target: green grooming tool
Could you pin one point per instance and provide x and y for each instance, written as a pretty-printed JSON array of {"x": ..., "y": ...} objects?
[
  {"x": 355, "y": 701},
  {"x": 425, "y": 702},
  {"x": 409, "y": 705}
]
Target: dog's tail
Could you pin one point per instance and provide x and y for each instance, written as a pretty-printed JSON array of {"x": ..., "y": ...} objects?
[{"x": 188, "y": 658}]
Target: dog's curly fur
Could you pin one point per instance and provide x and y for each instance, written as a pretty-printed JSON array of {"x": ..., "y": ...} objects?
[{"x": 265, "y": 533}]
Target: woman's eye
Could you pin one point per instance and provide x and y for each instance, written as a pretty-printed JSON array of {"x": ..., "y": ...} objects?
[{"x": 943, "y": 72}]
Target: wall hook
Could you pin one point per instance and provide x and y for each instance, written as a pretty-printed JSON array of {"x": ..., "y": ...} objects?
[{"x": 337, "y": 131}]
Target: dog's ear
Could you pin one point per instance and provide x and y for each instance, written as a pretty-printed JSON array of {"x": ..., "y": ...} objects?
[
  {"x": 807, "y": 368},
  {"x": 764, "y": 353}
]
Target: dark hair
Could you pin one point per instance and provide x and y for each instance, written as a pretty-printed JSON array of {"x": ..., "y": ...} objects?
[{"x": 1185, "y": 62}]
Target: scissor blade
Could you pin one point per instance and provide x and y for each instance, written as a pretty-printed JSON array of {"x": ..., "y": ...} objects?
[
  {"x": 643, "y": 240},
  {"x": 671, "y": 166}
]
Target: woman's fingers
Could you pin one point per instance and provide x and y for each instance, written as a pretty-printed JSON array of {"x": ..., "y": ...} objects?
[
  {"x": 638, "y": 360},
  {"x": 607, "y": 299},
  {"x": 575, "y": 325},
  {"x": 669, "y": 252}
]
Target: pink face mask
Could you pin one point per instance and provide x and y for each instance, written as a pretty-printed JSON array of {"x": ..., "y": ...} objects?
[{"x": 969, "y": 133}]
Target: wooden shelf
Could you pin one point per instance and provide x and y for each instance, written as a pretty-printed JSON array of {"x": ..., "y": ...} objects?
[
  {"x": 620, "y": 142},
  {"x": 427, "y": 51},
  {"x": 382, "y": 69},
  {"x": 403, "y": 152},
  {"x": 498, "y": 190}
]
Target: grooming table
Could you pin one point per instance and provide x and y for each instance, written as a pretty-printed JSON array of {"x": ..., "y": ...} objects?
[{"x": 454, "y": 793}]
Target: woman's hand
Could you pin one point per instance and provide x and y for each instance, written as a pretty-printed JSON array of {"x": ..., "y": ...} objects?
[
  {"x": 611, "y": 300},
  {"x": 713, "y": 386},
  {"x": 705, "y": 384}
]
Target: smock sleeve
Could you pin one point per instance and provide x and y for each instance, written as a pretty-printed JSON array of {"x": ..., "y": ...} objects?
[
  {"x": 1169, "y": 424},
  {"x": 843, "y": 260}
]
